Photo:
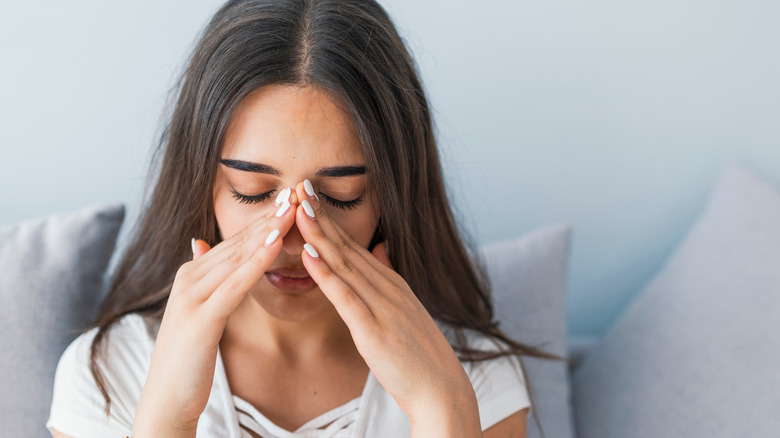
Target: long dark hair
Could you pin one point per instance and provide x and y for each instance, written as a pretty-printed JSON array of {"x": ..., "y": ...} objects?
[{"x": 351, "y": 50}]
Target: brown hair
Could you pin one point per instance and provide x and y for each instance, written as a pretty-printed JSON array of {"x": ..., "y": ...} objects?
[{"x": 351, "y": 50}]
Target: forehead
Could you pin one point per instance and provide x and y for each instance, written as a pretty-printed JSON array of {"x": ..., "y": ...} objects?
[{"x": 292, "y": 128}]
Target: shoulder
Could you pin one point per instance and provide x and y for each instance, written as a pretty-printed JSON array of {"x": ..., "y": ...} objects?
[
  {"x": 502, "y": 370},
  {"x": 499, "y": 383},
  {"x": 78, "y": 406},
  {"x": 126, "y": 343}
]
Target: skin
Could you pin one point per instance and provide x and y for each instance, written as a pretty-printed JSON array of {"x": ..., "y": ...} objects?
[
  {"x": 311, "y": 350},
  {"x": 275, "y": 334}
]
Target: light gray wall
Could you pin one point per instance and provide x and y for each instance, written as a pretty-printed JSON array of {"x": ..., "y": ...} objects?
[{"x": 615, "y": 115}]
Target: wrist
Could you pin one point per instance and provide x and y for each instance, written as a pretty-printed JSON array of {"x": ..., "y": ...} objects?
[
  {"x": 153, "y": 419},
  {"x": 162, "y": 429},
  {"x": 156, "y": 423},
  {"x": 453, "y": 416}
]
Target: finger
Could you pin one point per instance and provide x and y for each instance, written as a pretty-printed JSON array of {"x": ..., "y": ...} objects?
[
  {"x": 385, "y": 268},
  {"x": 237, "y": 281},
  {"x": 338, "y": 251},
  {"x": 384, "y": 275},
  {"x": 199, "y": 247},
  {"x": 210, "y": 276},
  {"x": 330, "y": 227},
  {"x": 380, "y": 252},
  {"x": 349, "y": 305},
  {"x": 232, "y": 246},
  {"x": 347, "y": 259}
]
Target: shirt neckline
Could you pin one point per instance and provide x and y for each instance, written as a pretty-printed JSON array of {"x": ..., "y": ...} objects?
[
  {"x": 228, "y": 397},
  {"x": 317, "y": 423}
]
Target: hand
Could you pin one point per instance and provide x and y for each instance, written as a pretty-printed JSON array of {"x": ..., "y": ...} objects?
[
  {"x": 205, "y": 292},
  {"x": 392, "y": 330}
]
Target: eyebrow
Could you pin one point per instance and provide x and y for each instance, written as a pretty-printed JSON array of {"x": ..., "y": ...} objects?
[{"x": 335, "y": 171}]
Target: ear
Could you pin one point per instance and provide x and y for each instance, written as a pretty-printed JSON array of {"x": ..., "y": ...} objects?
[{"x": 380, "y": 252}]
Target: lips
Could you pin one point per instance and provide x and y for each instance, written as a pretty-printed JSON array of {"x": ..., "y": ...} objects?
[
  {"x": 291, "y": 280},
  {"x": 291, "y": 273}
]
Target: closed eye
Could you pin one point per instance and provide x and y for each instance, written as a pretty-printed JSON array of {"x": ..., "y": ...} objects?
[
  {"x": 252, "y": 199},
  {"x": 256, "y": 199},
  {"x": 344, "y": 205}
]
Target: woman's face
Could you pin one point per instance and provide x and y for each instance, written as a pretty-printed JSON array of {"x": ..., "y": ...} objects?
[{"x": 294, "y": 134}]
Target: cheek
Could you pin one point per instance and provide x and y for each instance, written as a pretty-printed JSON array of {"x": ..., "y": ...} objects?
[{"x": 232, "y": 216}]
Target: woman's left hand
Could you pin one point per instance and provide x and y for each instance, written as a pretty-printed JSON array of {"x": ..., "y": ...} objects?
[{"x": 392, "y": 330}]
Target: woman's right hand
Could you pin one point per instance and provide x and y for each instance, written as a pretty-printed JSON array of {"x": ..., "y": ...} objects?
[{"x": 205, "y": 292}]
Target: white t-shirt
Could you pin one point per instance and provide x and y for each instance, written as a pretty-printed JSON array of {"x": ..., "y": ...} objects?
[{"x": 78, "y": 408}]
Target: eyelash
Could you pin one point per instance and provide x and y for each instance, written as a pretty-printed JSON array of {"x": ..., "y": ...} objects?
[{"x": 344, "y": 205}]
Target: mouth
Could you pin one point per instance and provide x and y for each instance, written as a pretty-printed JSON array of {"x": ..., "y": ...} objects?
[
  {"x": 291, "y": 280},
  {"x": 290, "y": 272}
]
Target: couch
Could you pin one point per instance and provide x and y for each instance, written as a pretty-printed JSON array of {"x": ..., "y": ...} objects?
[{"x": 693, "y": 355}]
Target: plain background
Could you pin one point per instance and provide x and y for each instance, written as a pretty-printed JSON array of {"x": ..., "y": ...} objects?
[{"x": 617, "y": 116}]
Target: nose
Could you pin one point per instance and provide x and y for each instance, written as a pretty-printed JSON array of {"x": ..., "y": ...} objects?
[{"x": 292, "y": 243}]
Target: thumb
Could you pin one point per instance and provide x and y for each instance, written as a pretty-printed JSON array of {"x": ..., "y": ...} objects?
[
  {"x": 380, "y": 252},
  {"x": 199, "y": 247}
]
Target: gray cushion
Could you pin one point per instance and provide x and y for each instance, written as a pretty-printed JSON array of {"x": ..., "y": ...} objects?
[
  {"x": 51, "y": 273},
  {"x": 528, "y": 278},
  {"x": 695, "y": 354}
]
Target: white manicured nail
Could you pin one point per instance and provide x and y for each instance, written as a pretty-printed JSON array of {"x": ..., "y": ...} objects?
[
  {"x": 310, "y": 249},
  {"x": 271, "y": 237},
  {"x": 193, "y": 246},
  {"x": 307, "y": 208},
  {"x": 309, "y": 190},
  {"x": 284, "y": 196},
  {"x": 282, "y": 209}
]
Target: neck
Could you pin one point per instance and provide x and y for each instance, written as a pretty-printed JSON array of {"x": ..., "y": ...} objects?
[{"x": 251, "y": 328}]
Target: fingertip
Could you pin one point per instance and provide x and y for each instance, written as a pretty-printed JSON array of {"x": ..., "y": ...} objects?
[
  {"x": 309, "y": 249},
  {"x": 379, "y": 249},
  {"x": 294, "y": 198},
  {"x": 300, "y": 191},
  {"x": 380, "y": 252},
  {"x": 271, "y": 238},
  {"x": 310, "y": 262},
  {"x": 199, "y": 247},
  {"x": 307, "y": 195}
]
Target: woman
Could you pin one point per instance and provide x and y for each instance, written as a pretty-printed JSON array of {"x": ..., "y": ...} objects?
[{"x": 328, "y": 290}]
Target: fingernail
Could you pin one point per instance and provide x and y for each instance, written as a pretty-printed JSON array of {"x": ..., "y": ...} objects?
[
  {"x": 271, "y": 237},
  {"x": 310, "y": 249},
  {"x": 307, "y": 208},
  {"x": 193, "y": 246},
  {"x": 309, "y": 190},
  {"x": 284, "y": 196},
  {"x": 282, "y": 209}
]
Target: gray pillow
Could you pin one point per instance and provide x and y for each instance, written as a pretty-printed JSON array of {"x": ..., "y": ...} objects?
[
  {"x": 528, "y": 277},
  {"x": 51, "y": 273},
  {"x": 696, "y": 353}
]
